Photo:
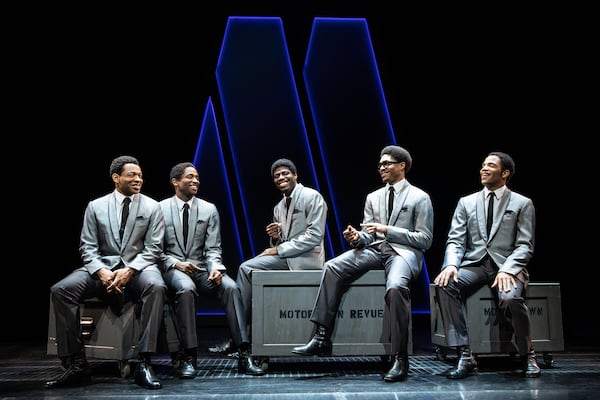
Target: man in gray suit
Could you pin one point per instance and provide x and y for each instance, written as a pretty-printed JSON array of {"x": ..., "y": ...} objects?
[
  {"x": 192, "y": 264},
  {"x": 115, "y": 269},
  {"x": 296, "y": 234},
  {"x": 397, "y": 228},
  {"x": 489, "y": 248}
]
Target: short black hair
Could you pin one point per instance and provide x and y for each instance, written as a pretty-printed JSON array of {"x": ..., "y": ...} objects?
[
  {"x": 399, "y": 154},
  {"x": 116, "y": 166},
  {"x": 178, "y": 170},
  {"x": 283, "y": 162},
  {"x": 507, "y": 162}
]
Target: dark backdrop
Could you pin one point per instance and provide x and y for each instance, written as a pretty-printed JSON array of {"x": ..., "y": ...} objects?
[{"x": 88, "y": 85}]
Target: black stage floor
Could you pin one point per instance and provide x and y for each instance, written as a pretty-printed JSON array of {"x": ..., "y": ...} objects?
[{"x": 569, "y": 374}]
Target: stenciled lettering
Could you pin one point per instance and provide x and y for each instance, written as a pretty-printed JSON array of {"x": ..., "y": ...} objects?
[
  {"x": 536, "y": 311},
  {"x": 366, "y": 313},
  {"x": 489, "y": 311},
  {"x": 533, "y": 311},
  {"x": 291, "y": 314},
  {"x": 302, "y": 314}
]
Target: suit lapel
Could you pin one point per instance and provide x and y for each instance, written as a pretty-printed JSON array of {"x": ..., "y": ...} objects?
[
  {"x": 192, "y": 223},
  {"x": 113, "y": 217},
  {"x": 480, "y": 214},
  {"x": 286, "y": 219},
  {"x": 177, "y": 222}
]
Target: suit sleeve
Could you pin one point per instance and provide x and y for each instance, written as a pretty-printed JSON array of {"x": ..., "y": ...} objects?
[
  {"x": 524, "y": 241},
  {"x": 153, "y": 240},
  {"x": 213, "y": 251},
  {"x": 316, "y": 215}
]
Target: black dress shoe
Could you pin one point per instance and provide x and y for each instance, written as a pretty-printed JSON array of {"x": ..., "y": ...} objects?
[
  {"x": 465, "y": 366},
  {"x": 224, "y": 347},
  {"x": 247, "y": 366},
  {"x": 73, "y": 375},
  {"x": 318, "y": 346},
  {"x": 186, "y": 369},
  {"x": 399, "y": 370},
  {"x": 531, "y": 368},
  {"x": 144, "y": 376}
]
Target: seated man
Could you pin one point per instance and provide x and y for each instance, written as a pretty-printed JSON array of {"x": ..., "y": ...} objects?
[
  {"x": 192, "y": 264},
  {"x": 120, "y": 248},
  {"x": 396, "y": 230},
  {"x": 490, "y": 242},
  {"x": 296, "y": 234}
]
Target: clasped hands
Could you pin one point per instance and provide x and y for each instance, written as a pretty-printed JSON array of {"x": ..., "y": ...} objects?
[{"x": 115, "y": 280}]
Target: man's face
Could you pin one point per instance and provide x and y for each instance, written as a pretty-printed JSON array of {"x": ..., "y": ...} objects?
[
  {"x": 284, "y": 179},
  {"x": 130, "y": 181}
]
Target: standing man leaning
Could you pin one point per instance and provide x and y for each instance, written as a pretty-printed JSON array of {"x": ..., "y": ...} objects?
[
  {"x": 120, "y": 248},
  {"x": 296, "y": 233},
  {"x": 397, "y": 228},
  {"x": 490, "y": 242},
  {"x": 192, "y": 264}
]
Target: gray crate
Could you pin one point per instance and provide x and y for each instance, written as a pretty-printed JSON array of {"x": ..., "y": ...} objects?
[
  {"x": 282, "y": 302},
  {"x": 490, "y": 333},
  {"x": 111, "y": 337}
]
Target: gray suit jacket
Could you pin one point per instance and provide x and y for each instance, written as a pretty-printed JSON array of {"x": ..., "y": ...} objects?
[
  {"x": 204, "y": 236},
  {"x": 410, "y": 228},
  {"x": 142, "y": 240},
  {"x": 302, "y": 229},
  {"x": 511, "y": 240}
]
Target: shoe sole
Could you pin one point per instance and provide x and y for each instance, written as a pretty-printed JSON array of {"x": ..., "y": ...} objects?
[
  {"x": 461, "y": 376},
  {"x": 311, "y": 354},
  {"x": 395, "y": 379}
]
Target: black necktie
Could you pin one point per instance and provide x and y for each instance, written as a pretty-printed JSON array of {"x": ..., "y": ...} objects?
[
  {"x": 490, "y": 212},
  {"x": 186, "y": 217},
  {"x": 288, "y": 200},
  {"x": 390, "y": 202},
  {"x": 124, "y": 215}
]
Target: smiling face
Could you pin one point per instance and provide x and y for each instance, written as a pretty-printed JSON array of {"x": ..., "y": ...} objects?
[
  {"x": 284, "y": 179},
  {"x": 187, "y": 186},
  {"x": 390, "y": 170},
  {"x": 130, "y": 181},
  {"x": 491, "y": 173}
]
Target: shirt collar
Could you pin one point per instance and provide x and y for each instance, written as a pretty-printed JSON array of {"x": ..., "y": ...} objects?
[
  {"x": 180, "y": 203},
  {"x": 120, "y": 197},
  {"x": 398, "y": 186},
  {"x": 498, "y": 193}
]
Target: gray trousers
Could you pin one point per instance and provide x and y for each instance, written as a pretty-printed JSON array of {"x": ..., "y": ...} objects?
[
  {"x": 511, "y": 304},
  {"x": 340, "y": 272},
  {"x": 184, "y": 291},
  {"x": 244, "y": 276},
  {"x": 146, "y": 286}
]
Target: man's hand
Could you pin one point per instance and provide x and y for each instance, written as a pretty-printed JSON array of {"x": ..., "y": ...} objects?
[
  {"x": 215, "y": 277},
  {"x": 120, "y": 278},
  {"x": 505, "y": 282},
  {"x": 450, "y": 272},
  {"x": 350, "y": 234},
  {"x": 186, "y": 267},
  {"x": 372, "y": 228},
  {"x": 273, "y": 230},
  {"x": 269, "y": 251},
  {"x": 105, "y": 276}
]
